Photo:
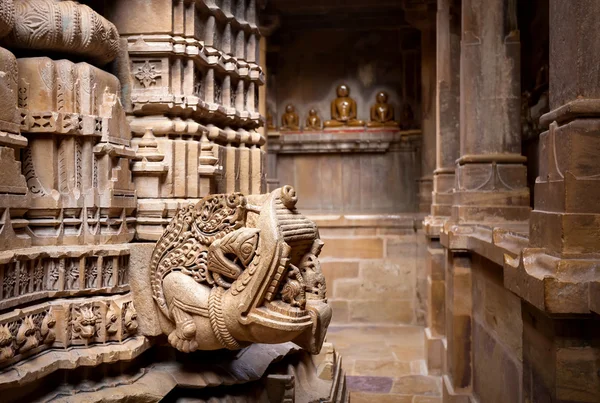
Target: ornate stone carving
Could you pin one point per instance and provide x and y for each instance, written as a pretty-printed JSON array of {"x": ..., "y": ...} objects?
[
  {"x": 26, "y": 336},
  {"x": 7, "y": 16},
  {"x": 85, "y": 322},
  {"x": 147, "y": 74},
  {"x": 78, "y": 153},
  {"x": 235, "y": 270},
  {"x": 47, "y": 330},
  {"x": 6, "y": 343},
  {"x": 40, "y": 24}
]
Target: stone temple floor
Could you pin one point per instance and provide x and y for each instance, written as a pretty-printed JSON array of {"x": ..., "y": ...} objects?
[{"x": 385, "y": 364}]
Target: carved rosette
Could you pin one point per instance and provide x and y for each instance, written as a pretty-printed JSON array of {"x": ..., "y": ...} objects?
[{"x": 235, "y": 270}]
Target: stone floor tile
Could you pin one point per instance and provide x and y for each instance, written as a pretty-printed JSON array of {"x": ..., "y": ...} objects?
[
  {"x": 408, "y": 353},
  {"x": 374, "y": 384},
  {"x": 418, "y": 367},
  {"x": 389, "y": 368},
  {"x": 417, "y": 385},
  {"x": 362, "y": 397},
  {"x": 427, "y": 399}
]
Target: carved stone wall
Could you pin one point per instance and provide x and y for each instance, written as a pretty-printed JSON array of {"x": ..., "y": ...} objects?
[
  {"x": 194, "y": 103},
  {"x": 103, "y": 136},
  {"x": 67, "y": 194}
]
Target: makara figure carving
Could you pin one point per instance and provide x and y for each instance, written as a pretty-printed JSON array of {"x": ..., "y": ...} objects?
[{"x": 235, "y": 270}]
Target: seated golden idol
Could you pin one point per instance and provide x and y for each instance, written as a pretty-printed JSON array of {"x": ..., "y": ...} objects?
[
  {"x": 290, "y": 120},
  {"x": 382, "y": 113},
  {"x": 313, "y": 121},
  {"x": 343, "y": 110}
]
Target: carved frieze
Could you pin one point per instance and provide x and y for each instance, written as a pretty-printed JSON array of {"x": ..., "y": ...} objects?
[
  {"x": 63, "y": 26},
  {"x": 77, "y": 160},
  {"x": 38, "y": 273},
  {"x": 62, "y": 323}
]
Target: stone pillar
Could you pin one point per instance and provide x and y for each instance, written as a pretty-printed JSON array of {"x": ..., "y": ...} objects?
[
  {"x": 447, "y": 152},
  {"x": 421, "y": 15},
  {"x": 566, "y": 215},
  {"x": 491, "y": 181},
  {"x": 428, "y": 114},
  {"x": 458, "y": 374},
  {"x": 564, "y": 242},
  {"x": 447, "y": 107}
]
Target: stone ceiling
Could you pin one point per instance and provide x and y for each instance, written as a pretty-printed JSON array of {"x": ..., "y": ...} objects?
[{"x": 337, "y": 14}]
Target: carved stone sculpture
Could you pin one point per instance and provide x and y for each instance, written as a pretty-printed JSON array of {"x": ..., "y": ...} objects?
[
  {"x": 382, "y": 113},
  {"x": 235, "y": 270},
  {"x": 343, "y": 109},
  {"x": 313, "y": 121},
  {"x": 42, "y": 24},
  {"x": 290, "y": 120}
]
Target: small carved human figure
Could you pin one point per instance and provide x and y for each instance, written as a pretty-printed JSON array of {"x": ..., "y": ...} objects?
[
  {"x": 343, "y": 109},
  {"x": 382, "y": 113},
  {"x": 6, "y": 343},
  {"x": 47, "y": 330},
  {"x": 26, "y": 337},
  {"x": 290, "y": 120},
  {"x": 313, "y": 121}
]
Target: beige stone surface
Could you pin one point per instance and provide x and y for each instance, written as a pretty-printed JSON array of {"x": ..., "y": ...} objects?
[
  {"x": 38, "y": 25},
  {"x": 234, "y": 270}
]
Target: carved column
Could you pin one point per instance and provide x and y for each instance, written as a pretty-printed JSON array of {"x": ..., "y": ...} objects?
[
  {"x": 428, "y": 114},
  {"x": 447, "y": 111},
  {"x": 491, "y": 182},
  {"x": 421, "y": 15},
  {"x": 447, "y": 152},
  {"x": 558, "y": 274}
]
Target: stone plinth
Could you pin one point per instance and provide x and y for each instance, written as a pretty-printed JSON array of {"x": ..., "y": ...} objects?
[{"x": 366, "y": 171}]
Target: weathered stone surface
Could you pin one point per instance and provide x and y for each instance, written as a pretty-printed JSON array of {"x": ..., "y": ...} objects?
[
  {"x": 222, "y": 276},
  {"x": 38, "y": 24}
]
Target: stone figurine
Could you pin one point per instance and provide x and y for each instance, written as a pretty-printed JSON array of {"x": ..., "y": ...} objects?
[
  {"x": 290, "y": 119},
  {"x": 343, "y": 109},
  {"x": 382, "y": 113},
  {"x": 313, "y": 121},
  {"x": 235, "y": 270}
]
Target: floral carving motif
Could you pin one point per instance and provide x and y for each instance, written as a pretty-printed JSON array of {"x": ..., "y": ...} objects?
[
  {"x": 8, "y": 287},
  {"x": 147, "y": 74}
]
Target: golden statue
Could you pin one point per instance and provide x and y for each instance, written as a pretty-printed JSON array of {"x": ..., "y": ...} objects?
[
  {"x": 382, "y": 113},
  {"x": 313, "y": 121},
  {"x": 290, "y": 120},
  {"x": 343, "y": 110}
]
